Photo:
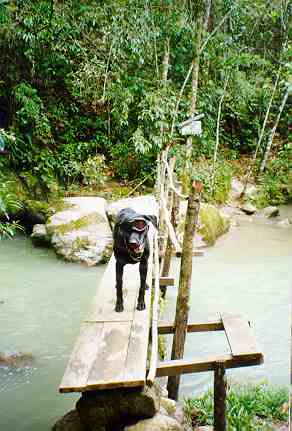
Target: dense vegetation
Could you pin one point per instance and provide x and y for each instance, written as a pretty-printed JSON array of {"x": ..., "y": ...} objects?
[
  {"x": 249, "y": 407},
  {"x": 90, "y": 88}
]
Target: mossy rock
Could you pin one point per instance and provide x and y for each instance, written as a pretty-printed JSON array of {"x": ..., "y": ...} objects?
[
  {"x": 212, "y": 224},
  {"x": 81, "y": 232}
]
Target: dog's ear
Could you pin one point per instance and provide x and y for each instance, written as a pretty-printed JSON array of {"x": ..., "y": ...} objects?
[{"x": 153, "y": 220}]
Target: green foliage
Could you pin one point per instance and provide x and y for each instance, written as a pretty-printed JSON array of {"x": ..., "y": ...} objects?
[
  {"x": 249, "y": 407},
  {"x": 8, "y": 230},
  {"x": 94, "y": 171},
  {"x": 275, "y": 185},
  {"x": 9, "y": 204},
  {"x": 84, "y": 78}
]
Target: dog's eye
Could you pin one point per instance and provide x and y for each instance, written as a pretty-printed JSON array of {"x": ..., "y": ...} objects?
[{"x": 139, "y": 225}]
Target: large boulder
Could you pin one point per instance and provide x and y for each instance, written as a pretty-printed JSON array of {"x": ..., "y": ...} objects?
[
  {"x": 141, "y": 204},
  {"x": 248, "y": 208},
  {"x": 81, "y": 233},
  {"x": 212, "y": 224},
  {"x": 113, "y": 410},
  {"x": 40, "y": 236},
  {"x": 270, "y": 212},
  {"x": 69, "y": 422},
  {"x": 159, "y": 422}
]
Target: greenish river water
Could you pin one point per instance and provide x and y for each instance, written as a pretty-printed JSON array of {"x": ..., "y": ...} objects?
[
  {"x": 44, "y": 300},
  {"x": 249, "y": 272}
]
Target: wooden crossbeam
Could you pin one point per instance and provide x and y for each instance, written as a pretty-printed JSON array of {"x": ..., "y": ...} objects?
[
  {"x": 165, "y": 281},
  {"x": 168, "y": 327},
  {"x": 199, "y": 253},
  {"x": 184, "y": 366}
]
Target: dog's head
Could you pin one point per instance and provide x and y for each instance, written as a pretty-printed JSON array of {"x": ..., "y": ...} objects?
[{"x": 134, "y": 229}]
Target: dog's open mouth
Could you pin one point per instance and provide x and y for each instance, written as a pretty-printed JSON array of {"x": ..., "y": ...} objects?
[{"x": 136, "y": 249}]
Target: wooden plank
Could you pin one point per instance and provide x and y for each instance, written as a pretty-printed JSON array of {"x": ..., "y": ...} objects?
[
  {"x": 103, "y": 306},
  {"x": 239, "y": 335},
  {"x": 135, "y": 369},
  {"x": 82, "y": 358},
  {"x": 168, "y": 328},
  {"x": 183, "y": 366},
  {"x": 109, "y": 364}
]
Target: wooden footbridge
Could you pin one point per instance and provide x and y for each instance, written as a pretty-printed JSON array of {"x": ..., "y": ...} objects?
[{"x": 112, "y": 349}]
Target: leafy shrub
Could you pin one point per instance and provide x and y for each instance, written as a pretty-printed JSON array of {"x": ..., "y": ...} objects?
[
  {"x": 93, "y": 171},
  {"x": 202, "y": 171},
  {"x": 9, "y": 204},
  {"x": 249, "y": 407},
  {"x": 275, "y": 185}
]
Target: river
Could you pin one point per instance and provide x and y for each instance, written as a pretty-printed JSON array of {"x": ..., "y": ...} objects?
[
  {"x": 43, "y": 300},
  {"x": 249, "y": 271}
]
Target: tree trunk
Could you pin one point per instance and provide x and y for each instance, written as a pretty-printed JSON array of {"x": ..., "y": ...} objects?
[
  {"x": 182, "y": 305},
  {"x": 273, "y": 131},
  {"x": 166, "y": 62},
  {"x": 194, "y": 93},
  {"x": 217, "y": 135}
]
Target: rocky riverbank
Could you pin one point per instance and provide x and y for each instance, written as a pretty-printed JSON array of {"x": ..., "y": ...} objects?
[{"x": 82, "y": 231}]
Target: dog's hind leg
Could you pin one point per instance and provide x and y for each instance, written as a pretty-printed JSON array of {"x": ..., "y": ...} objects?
[
  {"x": 143, "y": 267},
  {"x": 119, "y": 286}
]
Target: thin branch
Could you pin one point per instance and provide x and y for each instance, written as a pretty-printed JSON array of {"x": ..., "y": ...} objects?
[
  {"x": 216, "y": 28},
  {"x": 107, "y": 67},
  {"x": 170, "y": 179}
]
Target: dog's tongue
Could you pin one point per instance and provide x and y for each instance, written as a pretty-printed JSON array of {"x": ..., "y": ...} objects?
[{"x": 135, "y": 248}]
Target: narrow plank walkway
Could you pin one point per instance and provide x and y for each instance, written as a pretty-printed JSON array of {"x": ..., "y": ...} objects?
[{"x": 111, "y": 350}]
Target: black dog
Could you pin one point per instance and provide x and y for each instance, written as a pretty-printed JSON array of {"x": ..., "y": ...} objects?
[{"x": 131, "y": 245}]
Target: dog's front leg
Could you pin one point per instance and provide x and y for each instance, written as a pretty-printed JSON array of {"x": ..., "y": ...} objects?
[
  {"x": 143, "y": 267},
  {"x": 119, "y": 286}
]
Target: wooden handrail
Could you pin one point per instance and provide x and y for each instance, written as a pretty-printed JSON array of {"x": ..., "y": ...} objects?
[{"x": 154, "y": 349}]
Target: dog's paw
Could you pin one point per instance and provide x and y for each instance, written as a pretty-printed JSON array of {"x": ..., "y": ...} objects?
[
  {"x": 141, "y": 306},
  {"x": 119, "y": 307}
]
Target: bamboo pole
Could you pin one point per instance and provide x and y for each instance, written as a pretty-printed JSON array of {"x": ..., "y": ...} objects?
[
  {"x": 273, "y": 131},
  {"x": 254, "y": 158},
  {"x": 154, "y": 349},
  {"x": 217, "y": 136},
  {"x": 182, "y": 305},
  {"x": 219, "y": 397}
]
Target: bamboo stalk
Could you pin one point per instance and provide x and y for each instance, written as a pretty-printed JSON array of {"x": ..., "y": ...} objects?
[
  {"x": 249, "y": 170},
  {"x": 182, "y": 305},
  {"x": 217, "y": 135},
  {"x": 154, "y": 349},
  {"x": 273, "y": 131}
]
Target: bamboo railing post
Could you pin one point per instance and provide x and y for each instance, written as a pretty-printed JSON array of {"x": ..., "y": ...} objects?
[
  {"x": 168, "y": 251},
  {"x": 219, "y": 397},
  {"x": 182, "y": 304}
]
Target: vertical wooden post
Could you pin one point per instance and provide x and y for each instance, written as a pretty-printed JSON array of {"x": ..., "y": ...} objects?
[
  {"x": 219, "y": 397},
  {"x": 182, "y": 304}
]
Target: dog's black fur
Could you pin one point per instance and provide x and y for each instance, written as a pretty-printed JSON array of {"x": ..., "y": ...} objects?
[{"x": 131, "y": 245}]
